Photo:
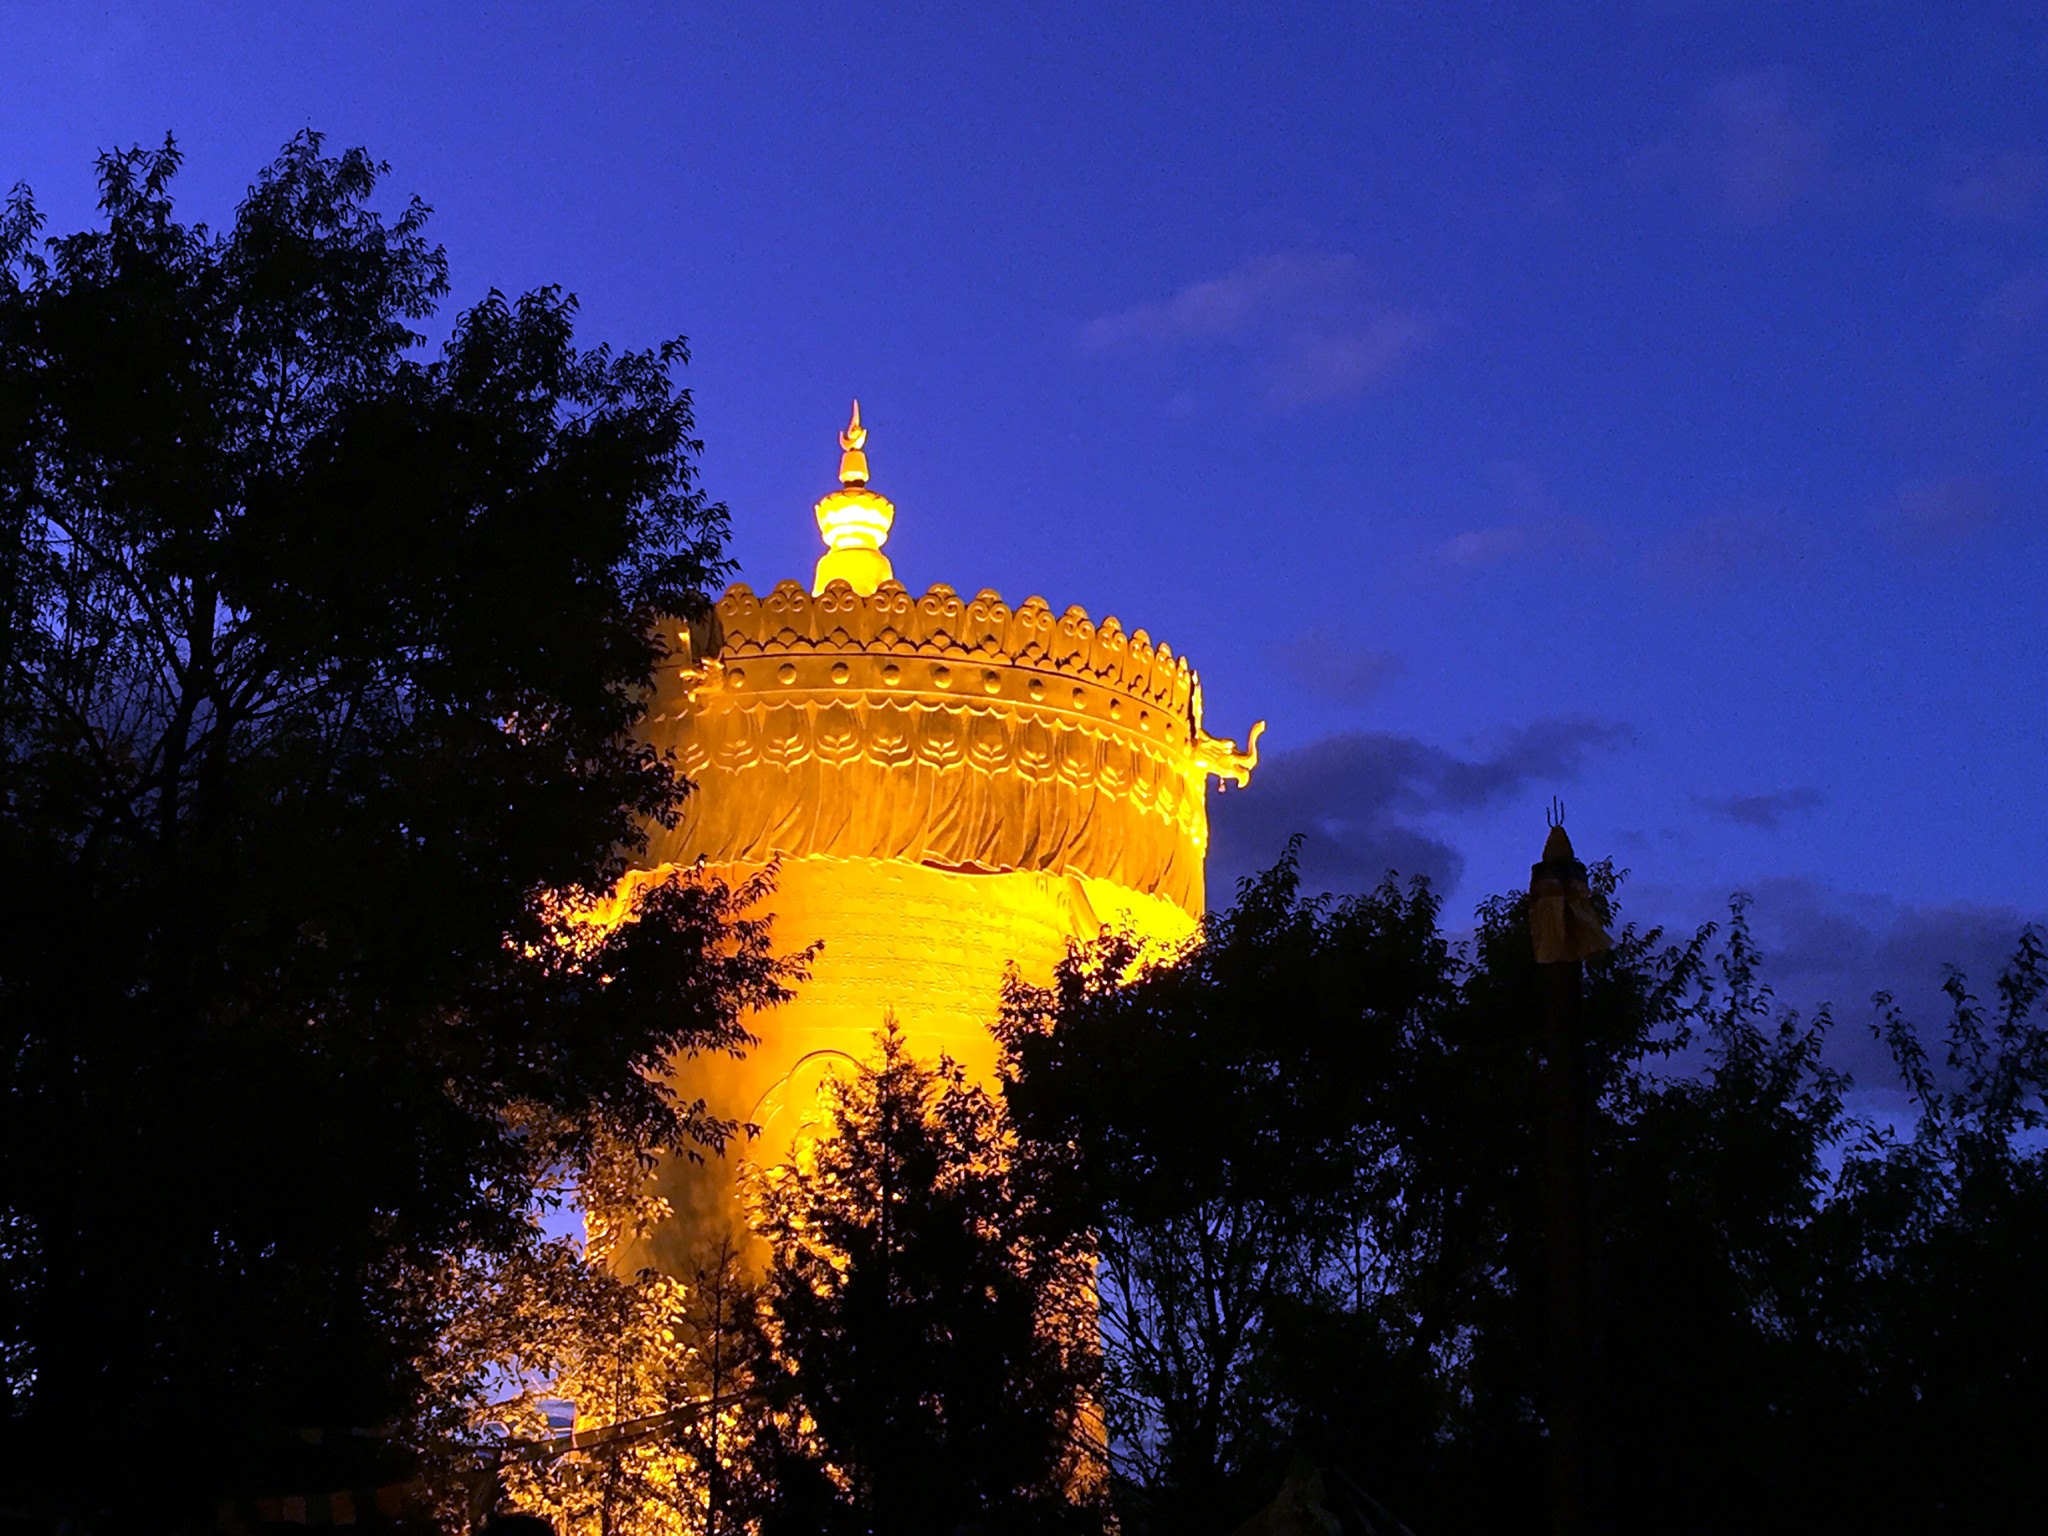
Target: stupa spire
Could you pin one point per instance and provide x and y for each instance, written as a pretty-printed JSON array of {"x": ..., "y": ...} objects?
[
  {"x": 853, "y": 462},
  {"x": 854, "y": 521}
]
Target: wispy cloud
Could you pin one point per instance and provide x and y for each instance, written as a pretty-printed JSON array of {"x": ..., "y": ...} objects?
[
  {"x": 2005, "y": 188},
  {"x": 1764, "y": 811},
  {"x": 1751, "y": 146},
  {"x": 1486, "y": 546},
  {"x": 1337, "y": 669},
  {"x": 1504, "y": 542},
  {"x": 1358, "y": 797},
  {"x": 1314, "y": 366},
  {"x": 1943, "y": 514},
  {"x": 1766, "y": 152},
  {"x": 1531, "y": 522},
  {"x": 2008, "y": 315},
  {"x": 1228, "y": 305},
  {"x": 1306, "y": 323},
  {"x": 1728, "y": 547},
  {"x": 1820, "y": 944}
]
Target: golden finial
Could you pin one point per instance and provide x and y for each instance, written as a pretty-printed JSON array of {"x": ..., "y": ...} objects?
[
  {"x": 1564, "y": 920},
  {"x": 853, "y": 463},
  {"x": 853, "y": 520}
]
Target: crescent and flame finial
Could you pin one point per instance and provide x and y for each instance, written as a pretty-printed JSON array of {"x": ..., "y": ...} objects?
[
  {"x": 854, "y": 520},
  {"x": 853, "y": 462}
]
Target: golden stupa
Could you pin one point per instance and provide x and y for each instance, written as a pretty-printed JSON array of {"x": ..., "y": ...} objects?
[{"x": 950, "y": 786}]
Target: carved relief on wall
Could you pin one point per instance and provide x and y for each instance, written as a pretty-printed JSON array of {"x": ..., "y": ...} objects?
[{"x": 964, "y": 734}]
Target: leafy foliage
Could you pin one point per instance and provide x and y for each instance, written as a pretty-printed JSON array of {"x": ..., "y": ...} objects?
[
  {"x": 1308, "y": 1151},
  {"x": 320, "y": 666},
  {"x": 930, "y": 1331},
  {"x": 664, "y": 1370},
  {"x": 1212, "y": 1124}
]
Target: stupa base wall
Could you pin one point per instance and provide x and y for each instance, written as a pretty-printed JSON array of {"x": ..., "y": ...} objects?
[{"x": 928, "y": 945}]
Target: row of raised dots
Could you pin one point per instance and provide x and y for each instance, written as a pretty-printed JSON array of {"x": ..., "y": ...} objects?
[{"x": 942, "y": 677}]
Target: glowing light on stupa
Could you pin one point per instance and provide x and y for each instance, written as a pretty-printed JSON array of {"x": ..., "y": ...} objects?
[
  {"x": 949, "y": 785},
  {"x": 854, "y": 521}
]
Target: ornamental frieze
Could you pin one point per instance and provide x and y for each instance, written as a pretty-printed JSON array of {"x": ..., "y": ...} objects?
[
  {"x": 940, "y": 624},
  {"x": 958, "y": 783},
  {"x": 860, "y": 720},
  {"x": 970, "y": 736}
]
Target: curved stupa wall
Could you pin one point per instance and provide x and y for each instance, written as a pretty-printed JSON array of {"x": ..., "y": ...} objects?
[{"x": 948, "y": 785}]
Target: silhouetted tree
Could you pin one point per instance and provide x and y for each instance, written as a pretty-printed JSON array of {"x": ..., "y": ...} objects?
[
  {"x": 1310, "y": 1151},
  {"x": 1223, "y": 1129},
  {"x": 1925, "y": 1295},
  {"x": 321, "y": 659},
  {"x": 931, "y": 1332}
]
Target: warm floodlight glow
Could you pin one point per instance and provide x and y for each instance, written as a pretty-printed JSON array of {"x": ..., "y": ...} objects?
[
  {"x": 948, "y": 786},
  {"x": 854, "y": 520}
]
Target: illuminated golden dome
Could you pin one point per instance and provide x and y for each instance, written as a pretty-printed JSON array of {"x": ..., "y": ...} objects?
[
  {"x": 854, "y": 520},
  {"x": 947, "y": 788}
]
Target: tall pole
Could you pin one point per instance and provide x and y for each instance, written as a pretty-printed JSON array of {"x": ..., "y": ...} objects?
[{"x": 1565, "y": 931}]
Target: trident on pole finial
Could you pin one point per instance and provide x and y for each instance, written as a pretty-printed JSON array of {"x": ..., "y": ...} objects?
[
  {"x": 1564, "y": 921},
  {"x": 1558, "y": 845}
]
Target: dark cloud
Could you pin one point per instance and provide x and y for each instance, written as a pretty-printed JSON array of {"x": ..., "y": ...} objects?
[
  {"x": 1765, "y": 810},
  {"x": 1358, "y": 797},
  {"x": 1823, "y": 945}
]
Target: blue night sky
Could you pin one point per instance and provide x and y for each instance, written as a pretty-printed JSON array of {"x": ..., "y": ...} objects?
[{"x": 1638, "y": 402}]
